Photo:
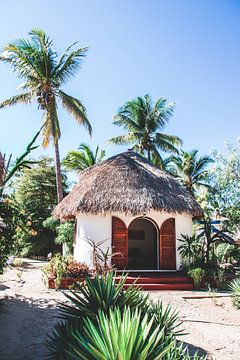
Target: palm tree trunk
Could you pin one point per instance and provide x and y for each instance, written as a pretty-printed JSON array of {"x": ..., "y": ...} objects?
[{"x": 58, "y": 172}]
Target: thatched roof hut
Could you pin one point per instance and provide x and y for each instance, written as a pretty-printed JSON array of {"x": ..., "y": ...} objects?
[{"x": 126, "y": 183}]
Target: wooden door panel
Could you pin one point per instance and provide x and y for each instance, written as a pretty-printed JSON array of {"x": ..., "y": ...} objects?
[
  {"x": 168, "y": 245},
  {"x": 119, "y": 243}
]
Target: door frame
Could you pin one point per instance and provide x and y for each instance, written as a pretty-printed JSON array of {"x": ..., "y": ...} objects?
[{"x": 157, "y": 239}]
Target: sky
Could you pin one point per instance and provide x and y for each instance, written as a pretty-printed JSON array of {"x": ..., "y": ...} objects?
[{"x": 185, "y": 51}]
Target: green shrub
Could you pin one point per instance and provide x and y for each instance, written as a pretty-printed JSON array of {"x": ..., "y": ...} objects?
[
  {"x": 197, "y": 275},
  {"x": 107, "y": 322},
  {"x": 126, "y": 335},
  {"x": 102, "y": 293},
  {"x": 64, "y": 266},
  {"x": 235, "y": 288},
  {"x": 220, "y": 279},
  {"x": 57, "y": 267}
]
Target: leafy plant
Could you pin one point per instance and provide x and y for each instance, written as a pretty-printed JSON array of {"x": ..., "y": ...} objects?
[
  {"x": 64, "y": 232},
  {"x": 104, "y": 320},
  {"x": 35, "y": 196},
  {"x": 190, "y": 248},
  {"x": 77, "y": 270},
  {"x": 197, "y": 275},
  {"x": 102, "y": 293},
  {"x": 235, "y": 288},
  {"x": 220, "y": 279},
  {"x": 101, "y": 259},
  {"x": 126, "y": 335},
  {"x": 166, "y": 318},
  {"x": 57, "y": 267}
]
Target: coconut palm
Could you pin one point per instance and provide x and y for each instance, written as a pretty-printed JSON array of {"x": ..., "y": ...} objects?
[
  {"x": 191, "y": 169},
  {"x": 44, "y": 74},
  {"x": 82, "y": 159},
  {"x": 143, "y": 121}
]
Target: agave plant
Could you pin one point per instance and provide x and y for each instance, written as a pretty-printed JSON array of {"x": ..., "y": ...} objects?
[
  {"x": 102, "y": 293},
  {"x": 166, "y": 318},
  {"x": 235, "y": 288},
  {"x": 107, "y": 322},
  {"x": 123, "y": 335}
]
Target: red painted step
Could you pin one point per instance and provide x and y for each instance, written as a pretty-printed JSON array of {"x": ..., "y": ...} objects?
[
  {"x": 158, "y": 280},
  {"x": 163, "y": 286}
]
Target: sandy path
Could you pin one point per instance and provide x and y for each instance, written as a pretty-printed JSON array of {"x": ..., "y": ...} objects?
[{"x": 28, "y": 311}]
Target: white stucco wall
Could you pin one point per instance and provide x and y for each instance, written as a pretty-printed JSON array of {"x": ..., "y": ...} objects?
[{"x": 99, "y": 227}]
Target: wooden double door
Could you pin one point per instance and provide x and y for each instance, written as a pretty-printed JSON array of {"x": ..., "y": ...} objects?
[{"x": 166, "y": 248}]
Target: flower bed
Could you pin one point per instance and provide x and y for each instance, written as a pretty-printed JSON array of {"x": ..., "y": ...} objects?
[
  {"x": 65, "y": 282},
  {"x": 62, "y": 272}
]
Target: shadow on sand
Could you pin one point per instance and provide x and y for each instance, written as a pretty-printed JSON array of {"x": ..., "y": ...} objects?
[{"x": 24, "y": 327}]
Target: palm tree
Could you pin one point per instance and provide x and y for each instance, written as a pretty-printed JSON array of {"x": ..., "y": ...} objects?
[
  {"x": 191, "y": 169},
  {"x": 44, "y": 73},
  {"x": 189, "y": 248},
  {"x": 143, "y": 121},
  {"x": 80, "y": 160}
]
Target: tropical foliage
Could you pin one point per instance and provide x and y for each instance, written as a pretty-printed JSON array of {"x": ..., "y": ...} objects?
[
  {"x": 82, "y": 159},
  {"x": 144, "y": 122},
  {"x": 123, "y": 335},
  {"x": 44, "y": 73},
  {"x": 64, "y": 232},
  {"x": 35, "y": 195},
  {"x": 106, "y": 322},
  {"x": 191, "y": 169},
  {"x": 226, "y": 181},
  {"x": 190, "y": 247},
  {"x": 11, "y": 218},
  {"x": 8, "y": 169},
  {"x": 235, "y": 288}
]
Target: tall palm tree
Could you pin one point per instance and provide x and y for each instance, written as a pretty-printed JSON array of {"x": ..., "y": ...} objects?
[
  {"x": 82, "y": 159},
  {"x": 44, "y": 74},
  {"x": 143, "y": 121},
  {"x": 191, "y": 169}
]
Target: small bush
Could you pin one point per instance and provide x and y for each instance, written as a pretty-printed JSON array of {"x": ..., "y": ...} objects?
[
  {"x": 197, "y": 275},
  {"x": 64, "y": 266},
  {"x": 220, "y": 279},
  {"x": 235, "y": 288}
]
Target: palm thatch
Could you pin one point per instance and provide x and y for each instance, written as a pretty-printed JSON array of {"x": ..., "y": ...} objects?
[{"x": 126, "y": 183}]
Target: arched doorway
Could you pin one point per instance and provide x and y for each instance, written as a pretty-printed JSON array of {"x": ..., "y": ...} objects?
[{"x": 142, "y": 245}]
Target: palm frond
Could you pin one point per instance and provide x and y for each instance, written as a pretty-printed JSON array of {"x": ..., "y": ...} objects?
[
  {"x": 51, "y": 128},
  {"x": 24, "y": 98},
  {"x": 76, "y": 109},
  {"x": 123, "y": 139},
  {"x": 69, "y": 64}
]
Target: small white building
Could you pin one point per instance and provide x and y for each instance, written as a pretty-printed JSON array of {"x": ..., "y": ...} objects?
[{"x": 139, "y": 210}]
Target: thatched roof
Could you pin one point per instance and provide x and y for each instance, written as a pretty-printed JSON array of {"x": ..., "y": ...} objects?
[{"x": 126, "y": 183}]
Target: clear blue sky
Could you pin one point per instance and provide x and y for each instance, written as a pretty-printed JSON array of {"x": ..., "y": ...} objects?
[{"x": 187, "y": 51}]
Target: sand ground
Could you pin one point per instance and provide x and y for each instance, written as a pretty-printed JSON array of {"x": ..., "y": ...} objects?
[{"x": 28, "y": 311}]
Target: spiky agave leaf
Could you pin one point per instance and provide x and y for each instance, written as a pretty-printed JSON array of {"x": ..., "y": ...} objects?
[
  {"x": 102, "y": 293},
  {"x": 123, "y": 335}
]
